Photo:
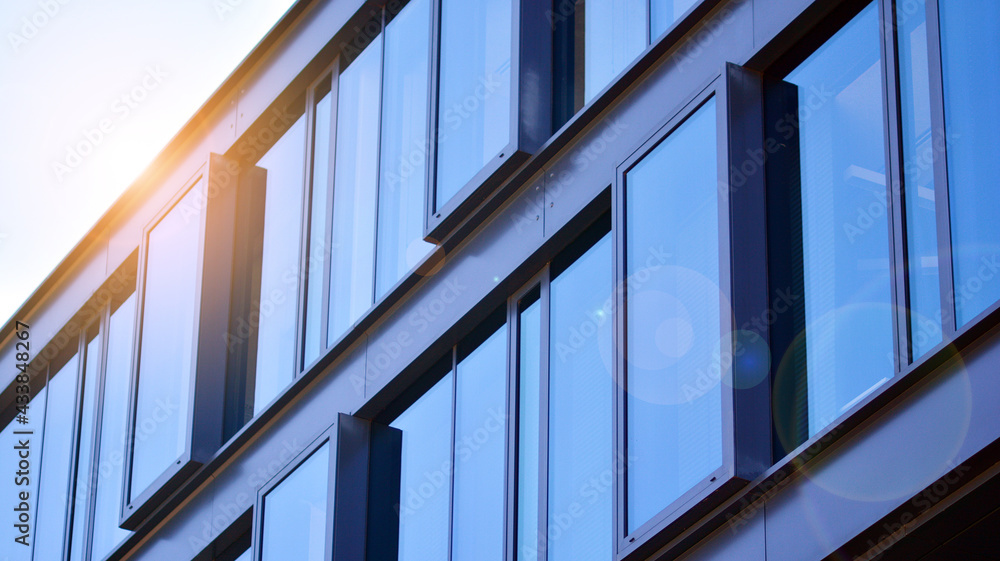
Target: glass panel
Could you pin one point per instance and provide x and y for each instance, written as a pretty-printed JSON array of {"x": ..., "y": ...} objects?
[
  {"x": 108, "y": 496},
  {"x": 55, "y": 473},
  {"x": 581, "y": 393},
  {"x": 353, "y": 251},
  {"x": 425, "y": 477},
  {"x": 480, "y": 442},
  {"x": 528, "y": 430},
  {"x": 615, "y": 35},
  {"x": 279, "y": 279},
  {"x": 20, "y": 532},
  {"x": 674, "y": 433},
  {"x": 918, "y": 177},
  {"x": 474, "y": 90},
  {"x": 663, "y": 14},
  {"x": 845, "y": 235},
  {"x": 166, "y": 348},
  {"x": 295, "y": 512},
  {"x": 969, "y": 48},
  {"x": 84, "y": 458},
  {"x": 403, "y": 155},
  {"x": 318, "y": 251}
]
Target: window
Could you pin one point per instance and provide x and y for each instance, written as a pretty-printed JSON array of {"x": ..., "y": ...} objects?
[
  {"x": 918, "y": 177},
  {"x": 294, "y": 511},
  {"x": 80, "y": 505},
  {"x": 674, "y": 321},
  {"x": 166, "y": 347},
  {"x": 114, "y": 416},
  {"x": 56, "y": 470},
  {"x": 474, "y": 91},
  {"x": 452, "y": 482},
  {"x": 580, "y": 390},
  {"x": 830, "y": 253},
  {"x": 178, "y": 390},
  {"x": 971, "y": 117},
  {"x": 371, "y": 123},
  {"x": 565, "y": 395},
  {"x": 403, "y": 147},
  {"x": 261, "y": 339},
  {"x": 352, "y": 255},
  {"x": 596, "y": 40}
]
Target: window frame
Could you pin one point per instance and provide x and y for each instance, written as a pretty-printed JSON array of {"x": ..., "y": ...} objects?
[
  {"x": 531, "y": 48},
  {"x": 327, "y": 437},
  {"x": 746, "y": 446},
  {"x": 206, "y": 395}
]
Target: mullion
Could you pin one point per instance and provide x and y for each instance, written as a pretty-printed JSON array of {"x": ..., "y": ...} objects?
[
  {"x": 378, "y": 157},
  {"x": 328, "y": 235},
  {"x": 899, "y": 272},
  {"x": 451, "y": 451},
  {"x": 305, "y": 245},
  {"x": 543, "y": 418},
  {"x": 941, "y": 189}
]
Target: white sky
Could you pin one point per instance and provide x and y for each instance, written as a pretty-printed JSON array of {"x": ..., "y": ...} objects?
[{"x": 63, "y": 73}]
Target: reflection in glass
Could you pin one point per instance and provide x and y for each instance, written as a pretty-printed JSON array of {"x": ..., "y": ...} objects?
[
  {"x": 480, "y": 439},
  {"x": 615, "y": 35},
  {"x": 352, "y": 259},
  {"x": 404, "y": 140},
  {"x": 918, "y": 177},
  {"x": 279, "y": 279},
  {"x": 845, "y": 263},
  {"x": 166, "y": 347},
  {"x": 581, "y": 472},
  {"x": 56, "y": 469},
  {"x": 318, "y": 250},
  {"x": 674, "y": 433},
  {"x": 10, "y": 486},
  {"x": 85, "y": 451},
  {"x": 108, "y": 494},
  {"x": 295, "y": 512},
  {"x": 474, "y": 90},
  {"x": 969, "y": 52},
  {"x": 425, "y": 480},
  {"x": 529, "y": 406},
  {"x": 663, "y": 14}
]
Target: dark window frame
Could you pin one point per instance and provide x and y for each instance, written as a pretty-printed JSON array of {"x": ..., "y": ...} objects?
[
  {"x": 206, "y": 394},
  {"x": 745, "y": 411},
  {"x": 327, "y": 437},
  {"x": 531, "y": 48}
]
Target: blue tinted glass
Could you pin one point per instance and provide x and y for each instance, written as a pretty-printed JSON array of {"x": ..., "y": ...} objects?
[
  {"x": 352, "y": 261},
  {"x": 13, "y": 484},
  {"x": 474, "y": 90},
  {"x": 55, "y": 473},
  {"x": 674, "y": 433},
  {"x": 403, "y": 151},
  {"x": 425, "y": 477},
  {"x": 581, "y": 393},
  {"x": 663, "y": 14},
  {"x": 108, "y": 495},
  {"x": 529, "y": 406},
  {"x": 279, "y": 279},
  {"x": 295, "y": 512},
  {"x": 318, "y": 251},
  {"x": 615, "y": 33},
  {"x": 845, "y": 236},
  {"x": 85, "y": 451},
  {"x": 969, "y": 48},
  {"x": 918, "y": 176},
  {"x": 167, "y": 341},
  {"x": 480, "y": 442}
]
